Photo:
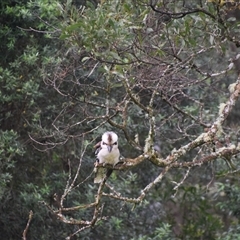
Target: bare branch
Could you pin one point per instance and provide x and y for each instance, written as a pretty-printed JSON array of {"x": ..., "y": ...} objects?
[
  {"x": 28, "y": 224},
  {"x": 182, "y": 14}
]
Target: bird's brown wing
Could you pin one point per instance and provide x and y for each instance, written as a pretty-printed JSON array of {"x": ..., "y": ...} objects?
[{"x": 97, "y": 148}]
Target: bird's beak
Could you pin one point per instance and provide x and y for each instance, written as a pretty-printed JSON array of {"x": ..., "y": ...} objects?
[{"x": 109, "y": 147}]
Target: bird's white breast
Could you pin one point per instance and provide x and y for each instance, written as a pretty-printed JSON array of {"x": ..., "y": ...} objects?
[{"x": 104, "y": 156}]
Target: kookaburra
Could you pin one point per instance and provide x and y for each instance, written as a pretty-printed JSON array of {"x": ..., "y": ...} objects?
[{"x": 107, "y": 153}]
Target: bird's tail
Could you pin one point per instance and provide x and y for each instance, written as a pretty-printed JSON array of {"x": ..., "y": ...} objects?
[{"x": 102, "y": 173}]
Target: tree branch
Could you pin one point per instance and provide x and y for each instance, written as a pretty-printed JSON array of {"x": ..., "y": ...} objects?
[{"x": 28, "y": 224}]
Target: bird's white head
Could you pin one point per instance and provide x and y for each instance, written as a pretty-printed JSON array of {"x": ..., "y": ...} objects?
[{"x": 109, "y": 141}]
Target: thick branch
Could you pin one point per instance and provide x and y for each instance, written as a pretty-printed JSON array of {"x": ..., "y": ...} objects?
[
  {"x": 221, "y": 153},
  {"x": 216, "y": 127}
]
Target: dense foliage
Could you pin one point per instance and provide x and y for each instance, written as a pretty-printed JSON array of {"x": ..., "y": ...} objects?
[{"x": 163, "y": 75}]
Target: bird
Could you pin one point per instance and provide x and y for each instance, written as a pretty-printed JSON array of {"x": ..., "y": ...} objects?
[{"x": 107, "y": 153}]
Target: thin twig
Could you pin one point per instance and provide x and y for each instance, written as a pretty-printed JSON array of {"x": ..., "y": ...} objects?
[{"x": 28, "y": 224}]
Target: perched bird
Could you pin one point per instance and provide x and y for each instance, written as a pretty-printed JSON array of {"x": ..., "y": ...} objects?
[{"x": 107, "y": 153}]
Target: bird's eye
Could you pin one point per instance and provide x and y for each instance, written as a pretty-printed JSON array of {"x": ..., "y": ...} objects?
[{"x": 115, "y": 143}]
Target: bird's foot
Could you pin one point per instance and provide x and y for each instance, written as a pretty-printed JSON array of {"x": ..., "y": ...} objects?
[{"x": 96, "y": 163}]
